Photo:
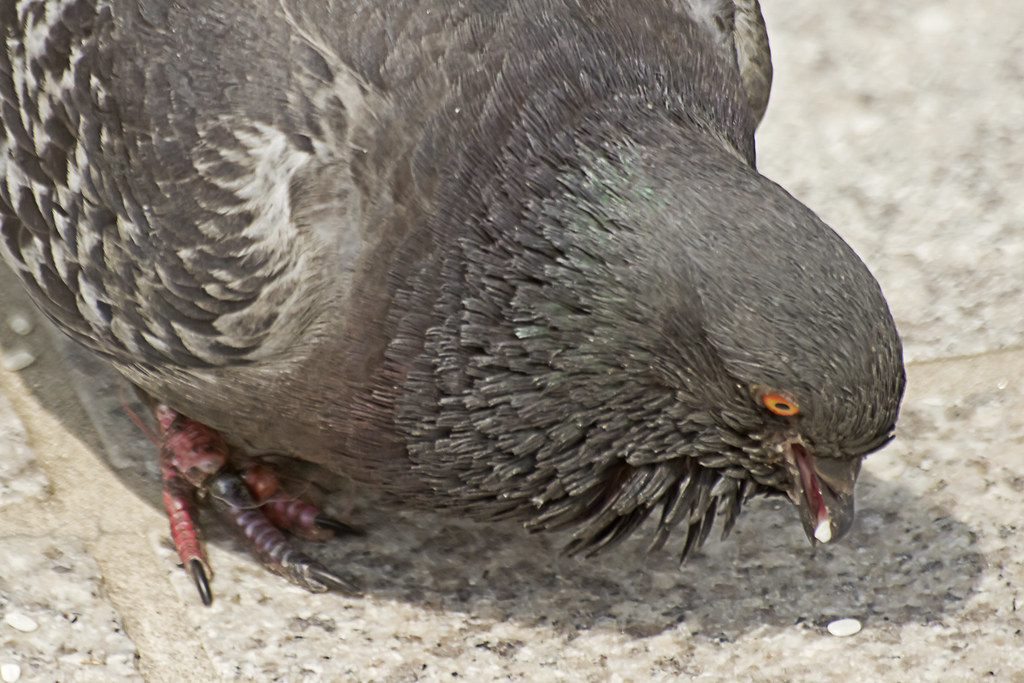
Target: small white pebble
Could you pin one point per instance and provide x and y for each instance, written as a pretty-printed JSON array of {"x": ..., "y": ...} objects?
[
  {"x": 21, "y": 622},
  {"x": 841, "y": 628},
  {"x": 17, "y": 359},
  {"x": 10, "y": 672},
  {"x": 823, "y": 532},
  {"x": 19, "y": 323}
]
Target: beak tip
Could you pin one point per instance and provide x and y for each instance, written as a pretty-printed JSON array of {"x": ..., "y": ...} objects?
[
  {"x": 823, "y": 494},
  {"x": 833, "y": 526}
]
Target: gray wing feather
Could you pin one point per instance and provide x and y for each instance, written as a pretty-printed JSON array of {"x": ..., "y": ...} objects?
[
  {"x": 741, "y": 38},
  {"x": 165, "y": 198},
  {"x": 193, "y": 186},
  {"x": 753, "y": 55}
]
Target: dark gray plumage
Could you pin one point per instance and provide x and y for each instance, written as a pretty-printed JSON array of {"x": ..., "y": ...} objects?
[{"x": 508, "y": 257}]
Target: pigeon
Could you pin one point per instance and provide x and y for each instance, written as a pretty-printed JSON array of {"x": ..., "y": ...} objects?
[{"x": 511, "y": 259}]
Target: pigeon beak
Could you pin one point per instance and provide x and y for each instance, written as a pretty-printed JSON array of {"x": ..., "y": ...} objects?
[{"x": 822, "y": 491}]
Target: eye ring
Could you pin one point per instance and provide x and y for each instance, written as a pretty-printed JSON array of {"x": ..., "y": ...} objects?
[{"x": 780, "y": 404}]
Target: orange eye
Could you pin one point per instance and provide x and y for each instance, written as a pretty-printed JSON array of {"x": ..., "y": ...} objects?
[{"x": 780, "y": 405}]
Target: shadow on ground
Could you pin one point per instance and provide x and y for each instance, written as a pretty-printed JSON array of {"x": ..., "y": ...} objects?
[{"x": 905, "y": 560}]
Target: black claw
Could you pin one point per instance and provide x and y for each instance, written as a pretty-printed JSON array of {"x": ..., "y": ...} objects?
[
  {"x": 332, "y": 581},
  {"x": 198, "y": 572},
  {"x": 339, "y": 528}
]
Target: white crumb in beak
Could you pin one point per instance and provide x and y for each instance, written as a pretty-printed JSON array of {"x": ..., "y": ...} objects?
[
  {"x": 841, "y": 628},
  {"x": 823, "y": 532}
]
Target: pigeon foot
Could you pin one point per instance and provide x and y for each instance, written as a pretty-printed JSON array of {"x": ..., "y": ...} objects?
[{"x": 194, "y": 463}]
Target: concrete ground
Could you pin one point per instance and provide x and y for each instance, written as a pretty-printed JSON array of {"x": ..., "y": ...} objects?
[{"x": 901, "y": 122}]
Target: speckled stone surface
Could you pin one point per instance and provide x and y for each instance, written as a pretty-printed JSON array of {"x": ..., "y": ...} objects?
[
  {"x": 57, "y": 621},
  {"x": 21, "y": 479},
  {"x": 899, "y": 122}
]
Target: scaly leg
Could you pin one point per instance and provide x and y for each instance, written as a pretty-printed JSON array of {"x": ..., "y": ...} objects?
[
  {"x": 288, "y": 512},
  {"x": 194, "y": 459}
]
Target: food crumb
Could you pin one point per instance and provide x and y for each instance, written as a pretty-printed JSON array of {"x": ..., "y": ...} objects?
[{"x": 841, "y": 628}]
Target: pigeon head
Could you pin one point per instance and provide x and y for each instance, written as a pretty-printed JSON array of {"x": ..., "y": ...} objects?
[
  {"x": 801, "y": 326},
  {"x": 799, "y": 361},
  {"x": 658, "y": 327}
]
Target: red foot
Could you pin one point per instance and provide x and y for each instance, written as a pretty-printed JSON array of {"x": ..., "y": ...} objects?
[
  {"x": 194, "y": 458},
  {"x": 189, "y": 454},
  {"x": 289, "y": 512}
]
